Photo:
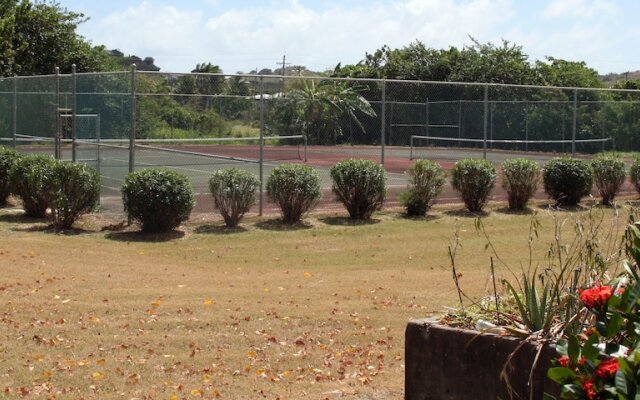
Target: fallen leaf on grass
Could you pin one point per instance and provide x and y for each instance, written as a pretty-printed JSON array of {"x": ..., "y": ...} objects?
[{"x": 97, "y": 376}]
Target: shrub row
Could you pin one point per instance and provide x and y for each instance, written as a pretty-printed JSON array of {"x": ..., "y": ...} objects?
[
  {"x": 43, "y": 183},
  {"x": 565, "y": 180},
  {"x": 160, "y": 200}
]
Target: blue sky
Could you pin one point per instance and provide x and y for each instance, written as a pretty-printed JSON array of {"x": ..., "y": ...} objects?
[{"x": 244, "y": 35}]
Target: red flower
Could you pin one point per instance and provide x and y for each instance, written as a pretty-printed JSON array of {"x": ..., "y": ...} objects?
[
  {"x": 607, "y": 368},
  {"x": 582, "y": 361},
  {"x": 596, "y": 296},
  {"x": 563, "y": 361},
  {"x": 590, "y": 390}
]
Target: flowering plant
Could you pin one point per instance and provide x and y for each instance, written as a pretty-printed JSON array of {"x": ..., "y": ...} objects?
[{"x": 603, "y": 361}]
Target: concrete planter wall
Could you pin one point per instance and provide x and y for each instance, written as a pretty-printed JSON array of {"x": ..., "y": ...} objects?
[{"x": 454, "y": 364}]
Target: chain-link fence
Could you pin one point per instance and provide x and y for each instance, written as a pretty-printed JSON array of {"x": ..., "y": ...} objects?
[{"x": 195, "y": 123}]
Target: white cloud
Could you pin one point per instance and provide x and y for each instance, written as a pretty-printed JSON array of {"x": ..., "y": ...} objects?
[
  {"x": 242, "y": 37},
  {"x": 150, "y": 30},
  {"x": 579, "y": 8},
  {"x": 325, "y": 37}
]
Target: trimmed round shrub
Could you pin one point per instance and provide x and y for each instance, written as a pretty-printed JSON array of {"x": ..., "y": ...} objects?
[
  {"x": 426, "y": 179},
  {"x": 234, "y": 192},
  {"x": 295, "y": 188},
  {"x": 75, "y": 190},
  {"x": 634, "y": 173},
  {"x": 567, "y": 180},
  {"x": 159, "y": 199},
  {"x": 8, "y": 157},
  {"x": 520, "y": 178},
  {"x": 609, "y": 174},
  {"x": 360, "y": 185},
  {"x": 30, "y": 178},
  {"x": 474, "y": 179}
]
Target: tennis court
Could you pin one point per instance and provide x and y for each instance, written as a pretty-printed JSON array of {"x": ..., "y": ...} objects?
[
  {"x": 199, "y": 160},
  {"x": 94, "y": 115}
]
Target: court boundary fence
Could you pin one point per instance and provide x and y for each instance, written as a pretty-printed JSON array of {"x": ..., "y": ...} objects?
[{"x": 133, "y": 143}]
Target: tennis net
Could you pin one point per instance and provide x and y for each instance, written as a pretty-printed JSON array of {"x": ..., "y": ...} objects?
[{"x": 423, "y": 146}]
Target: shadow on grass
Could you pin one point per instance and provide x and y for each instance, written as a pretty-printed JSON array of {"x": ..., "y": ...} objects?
[
  {"x": 346, "y": 221},
  {"x": 425, "y": 218},
  {"x": 509, "y": 211},
  {"x": 568, "y": 209},
  {"x": 139, "y": 236},
  {"x": 49, "y": 228},
  {"x": 20, "y": 218},
  {"x": 219, "y": 229},
  {"x": 278, "y": 225},
  {"x": 464, "y": 213}
]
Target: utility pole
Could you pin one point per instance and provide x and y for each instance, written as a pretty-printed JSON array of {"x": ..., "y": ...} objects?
[{"x": 284, "y": 65}]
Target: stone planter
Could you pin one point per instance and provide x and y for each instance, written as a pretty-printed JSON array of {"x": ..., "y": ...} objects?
[{"x": 454, "y": 364}]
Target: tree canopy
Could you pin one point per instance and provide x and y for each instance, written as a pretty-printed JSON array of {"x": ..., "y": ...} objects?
[
  {"x": 479, "y": 62},
  {"x": 35, "y": 37}
]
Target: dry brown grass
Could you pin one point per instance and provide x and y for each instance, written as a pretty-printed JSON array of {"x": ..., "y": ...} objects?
[{"x": 263, "y": 311}]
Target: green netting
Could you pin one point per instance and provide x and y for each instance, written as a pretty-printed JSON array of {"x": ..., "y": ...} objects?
[{"x": 220, "y": 114}]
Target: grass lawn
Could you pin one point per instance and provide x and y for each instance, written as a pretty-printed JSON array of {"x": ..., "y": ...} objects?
[{"x": 313, "y": 311}]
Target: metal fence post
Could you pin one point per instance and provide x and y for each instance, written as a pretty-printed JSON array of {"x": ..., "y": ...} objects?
[
  {"x": 99, "y": 152},
  {"x": 383, "y": 120},
  {"x": 132, "y": 134},
  {"x": 491, "y": 124},
  {"x": 459, "y": 121},
  {"x": 57, "y": 148},
  {"x": 575, "y": 120},
  {"x": 526, "y": 129},
  {"x": 426, "y": 124},
  {"x": 14, "y": 107},
  {"x": 74, "y": 104},
  {"x": 603, "y": 130},
  {"x": 261, "y": 161},
  {"x": 484, "y": 129}
]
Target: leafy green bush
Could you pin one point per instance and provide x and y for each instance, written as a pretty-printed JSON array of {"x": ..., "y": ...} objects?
[
  {"x": 30, "y": 178},
  {"x": 234, "y": 192},
  {"x": 360, "y": 185},
  {"x": 609, "y": 174},
  {"x": 474, "y": 179},
  {"x": 601, "y": 360},
  {"x": 567, "y": 180},
  {"x": 426, "y": 179},
  {"x": 75, "y": 190},
  {"x": 520, "y": 178},
  {"x": 158, "y": 198},
  {"x": 634, "y": 174},
  {"x": 8, "y": 157},
  {"x": 295, "y": 188}
]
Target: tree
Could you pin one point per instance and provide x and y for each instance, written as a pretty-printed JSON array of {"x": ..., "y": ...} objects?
[
  {"x": 488, "y": 63},
  {"x": 37, "y": 37},
  {"x": 209, "y": 84},
  {"x": 479, "y": 62},
  {"x": 558, "y": 72},
  {"x": 322, "y": 106},
  {"x": 7, "y": 29}
]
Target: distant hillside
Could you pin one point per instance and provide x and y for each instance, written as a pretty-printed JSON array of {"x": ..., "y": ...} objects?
[
  {"x": 148, "y": 64},
  {"x": 611, "y": 78},
  {"x": 296, "y": 70}
]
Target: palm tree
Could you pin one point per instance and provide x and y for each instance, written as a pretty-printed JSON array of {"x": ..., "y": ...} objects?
[{"x": 322, "y": 108}]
